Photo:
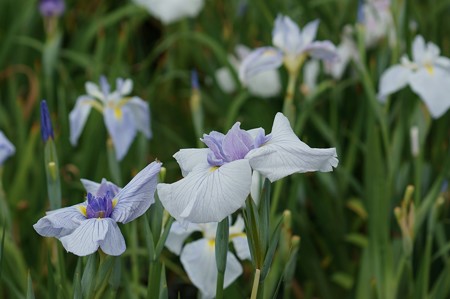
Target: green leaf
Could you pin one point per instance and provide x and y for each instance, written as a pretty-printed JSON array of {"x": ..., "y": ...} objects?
[
  {"x": 30, "y": 291},
  {"x": 271, "y": 251},
  {"x": 89, "y": 274}
]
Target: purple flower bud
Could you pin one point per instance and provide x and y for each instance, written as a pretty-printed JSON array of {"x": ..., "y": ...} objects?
[
  {"x": 52, "y": 8},
  {"x": 46, "y": 123},
  {"x": 194, "y": 79},
  {"x": 99, "y": 206}
]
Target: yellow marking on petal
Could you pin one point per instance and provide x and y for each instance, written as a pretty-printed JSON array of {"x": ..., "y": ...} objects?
[
  {"x": 235, "y": 235},
  {"x": 114, "y": 202},
  {"x": 118, "y": 113},
  {"x": 214, "y": 168},
  {"x": 82, "y": 210},
  {"x": 429, "y": 69},
  {"x": 212, "y": 242}
]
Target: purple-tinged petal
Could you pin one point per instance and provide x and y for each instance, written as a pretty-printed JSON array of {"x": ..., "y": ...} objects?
[
  {"x": 7, "y": 149},
  {"x": 121, "y": 127},
  {"x": 324, "y": 50},
  {"x": 141, "y": 113},
  {"x": 78, "y": 117},
  {"x": 260, "y": 59},
  {"x": 393, "y": 79},
  {"x": 237, "y": 143},
  {"x": 189, "y": 158},
  {"x": 309, "y": 32},
  {"x": 60, "y": 222},
  {"x": 90, "y": 186},
  {"x": 285, "y": 154},
  {"x": 137, "y": 196},
  {"x": 105, "y": 87},
  {"x": 105, "y": 188},
  {"x": 286, "y": 35},
  {"x": 208, "y": 194}
]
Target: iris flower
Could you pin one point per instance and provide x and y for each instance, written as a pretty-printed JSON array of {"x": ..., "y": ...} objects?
[
  {"x": 7, "y": 149},
  {"x": 170, "y": 11},
  {"x": 376, "y": 17},
  {"x": 198, "y": 257},
  {"x": 51, "y": 8},
  {"x": 265, "y": 84},
  {"x": 123, "y": 115},
  {"x": 217, "y": 179},
  {"x": 428, "y": 75},
  {"x": 85, "y": 227},
  {"x": 292, "y": 48}
]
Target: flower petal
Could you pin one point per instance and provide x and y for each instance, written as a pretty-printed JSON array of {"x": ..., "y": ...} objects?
[
  {"x": 89, "y": 236},
  {"x": 311, "y": 71},
  {"x": 199, "y": 261},
  {"x": 324, "y": 50},
  {"x": 94, "y": 91},
  {"x": 178, "y": 234},
  {"x": 418, "y": 49},
  {"x": 257, "y": 183},
  {"x": 265, "y": 84},
  {"x": 121, "y": 127},
  {"x": 141, "y": 115},
  {"x": 124, "y": 87},
  {"x": 309, "y": 32},
  {"x": 113, "y": 243},
  {"x": 286, "y": 35},
  {"x": 225, "y": 80},
  {"x": 394, "y": 78},
  {"x": 261, "y": 59},
  {"x": 285, "y": 154},
  {"x": 60, "y": 222},
  {"x": 90, "y": 186},
  {"x": 169, "y": 11},
  {"x": 6, "y": 148},
  {"x": 191, "y": 157},
  {"x": 208, "y": 194},
  {"x": 433, "y": 88},
  {"x": 240, "y": 244},
  {"x": 137, "y": 196},
  {"x": 78, "y": 117}
]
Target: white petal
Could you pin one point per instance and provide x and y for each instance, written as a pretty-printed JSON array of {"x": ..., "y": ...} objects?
[
  {"x": 178, "y": 234},
  {"x": 257, "y": 183},
  {"x": 433, "y": 88},
  {"x": 121, "y": 128},
  {"x": 78, "y": 117},
  {"x": 137, "y": 196},
  {"x": 324, "y": 50},
  {"x": 208, "y": 194},
  {"x": 285, "y": 154},
  {"x": 113, "y": 243},
  {"x": 309, "y": 32},
  {"x": 169, "y": 11},
  {"x": 86, "y": 239},
  {"x": 259, "y": 60},
  {"x": 418, "y": 49},
  {"x": 242, "y": 51},
  {"x": 6, "y": 148},
  {"x": 225, "y": 80},
  {"x": 60, "y": 222},
  {"x": 310, "y": 73},
  {"x": 141, "y": 115},
  {"x": 90, "y": 186},
  {"x": 124, "y": 87},
  {"x": 199, "y": 261},
  {"x": 93, "y": 90},
  {"x": 443, "y": 62},
  {"x": 191, "y": 157},
  {"x": 240, "y": 244},
  {"x": 394, "y": 78},
  {"x": 286, "y": 35},
  {"x": 265, "y": 84}
]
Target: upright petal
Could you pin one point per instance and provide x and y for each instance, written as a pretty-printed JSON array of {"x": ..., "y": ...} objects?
[
  {"x": 6, "y": 148},
  {"x": 78, "y": 117},
  {"x": 285, "y": 154},
  {"x": 178, "y": 234},
  {"x": 309, "y": 32},
  {"x": 93, "y": 233},
  {"x": 124, "y": 87},
  {"x": 433, "y": 88},
  {"x": 208, "y": 194},
  {"x": 60, "y": 222},
  {"x": 94, "y": 91},
  {"x": 199, "y": 261},
  {"x": 137, "y": 196},
  {"x": 394, "y": 78},
  {"x": 189, "y": 158},
  {"x": 93, "y": 187},
  {"x": 286, "y": 35},
  {"x": 324, "y": 50},
  {"x": 141, "y": 114},
  {"x": 418, "y": 49},
  {"x": 261, "y": 59},
  {"x": 121, "y": 126}
]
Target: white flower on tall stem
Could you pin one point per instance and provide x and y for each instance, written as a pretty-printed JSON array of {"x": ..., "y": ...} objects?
[
  {"x": 428, "y": 75},
  {"x": 199, "y": 257},
  {"x": 170, "y": 11},
  {"x": 217, "y": 179},
  {"x": 265, "y": 84},
  {"x": 123, "y": 115},
  {"x": 292, "y": 47}
]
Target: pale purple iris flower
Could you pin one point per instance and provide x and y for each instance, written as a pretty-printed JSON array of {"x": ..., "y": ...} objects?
[
  {"x": 199, "y": 257},
  {"x": 51, "y": 8},
  {"x": 123, "y": 115},
  {"x": 217, "y": 179},
  {"x": 428, "y": 75},
  {"x": 85, "y": 227},
  {"x": 7, "y": 149},
  {"x": 376, "y": 18},
  {"x": 292, "y": 46}
]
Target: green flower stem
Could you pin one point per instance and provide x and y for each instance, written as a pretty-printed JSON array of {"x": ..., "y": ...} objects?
[
  {"x": 289, "y": 109},
  {"x": 154, "y": 279},
  {"x": 114, "y": 166}
]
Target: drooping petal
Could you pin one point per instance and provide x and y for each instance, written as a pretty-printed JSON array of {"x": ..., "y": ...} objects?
[
  {"x": 189, "y": 158},
  {"x": 443, "y": 62},
  {"x": 199, "y": 261},
  {"x": 260, "y": 59},
  {"x": 208, "y": 194},
  {"x": 7, "y": 149},
  {"x": 309, "y": 32},
  {"x": 418, "y": 49},
  {"x": 286, "y": 35},
  {"x": 394, "y": 78},
  {"x": 60, "y": 222},
  {"x": 137, "y": 196},
  {"x": 285, "y": 154},
  {"x": 113, "y": 243},
  {"x": 324, "y": 50},
  {"x": 178, "y": 234},
  {"x": 265, "y": 84},
  {"x": 93, "y": 233},
  {"x": 78, "y": 117},
  {"x": 433, "y": 88},
  {"x": 121, "y": 127},
  {"x": 141, "y": 115}
]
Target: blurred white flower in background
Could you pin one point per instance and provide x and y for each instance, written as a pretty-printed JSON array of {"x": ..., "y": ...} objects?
[
  {"x": 376, "y": 17},
  {"x": 265, "y": 84},
  {"x": 170, "y": 11}
]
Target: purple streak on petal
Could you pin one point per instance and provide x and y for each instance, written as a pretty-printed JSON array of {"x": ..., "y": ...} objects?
[
  {"x": 104, "y": 85},
  {"x": 107, "y": 188},
  {"x": 46, "y": 123},
  {"x": 99, "y": 206},
  {"x": 237, "y": 143},
  {"x": 50, "y": 8},
  {"x": 324, "y": 50}
]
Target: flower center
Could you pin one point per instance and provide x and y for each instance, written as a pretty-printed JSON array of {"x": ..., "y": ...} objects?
[{"x": 99, "y": 206}]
